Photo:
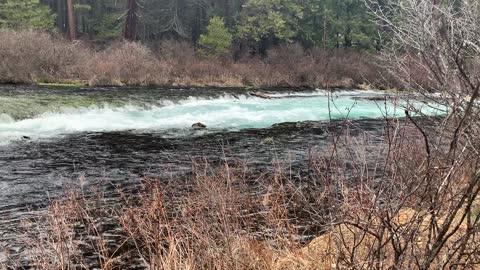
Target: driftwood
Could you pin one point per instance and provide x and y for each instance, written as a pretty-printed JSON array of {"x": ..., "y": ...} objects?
[{"x": 260, "y": 95}]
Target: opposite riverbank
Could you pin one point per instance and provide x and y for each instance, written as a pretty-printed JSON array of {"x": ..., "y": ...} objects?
[{"x": 30, "y": 57}]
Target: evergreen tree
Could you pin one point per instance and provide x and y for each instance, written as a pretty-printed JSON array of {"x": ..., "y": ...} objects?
[
  {"x": 26, "y": 13},
  {"x": 217, "y": 41},
  {"x": 351, "y": 24},
  {"x": 262, "y": 19},
  {"x": 105, "y": 20},
  {"x": 130, "y": 29},
  {"x": 258, "y": 24},
  {"x": 337, "y": 24},
  {"x": 72, "y": 28}
]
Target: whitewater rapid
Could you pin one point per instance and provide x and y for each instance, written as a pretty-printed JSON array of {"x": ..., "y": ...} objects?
[{"x": 230, "y": 112}]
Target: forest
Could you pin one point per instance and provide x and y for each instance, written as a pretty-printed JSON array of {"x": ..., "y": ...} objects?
[
  {"x": 336, "y": 38},
  {"x": 261, "y": 24}
]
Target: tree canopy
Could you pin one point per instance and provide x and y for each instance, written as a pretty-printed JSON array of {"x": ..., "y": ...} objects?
[
  {"x": 26, "y": 13},
  {"x": 217, "y": 40},
  {"x": 270, "y": 19},
  {"x": 320, "y": 23}
]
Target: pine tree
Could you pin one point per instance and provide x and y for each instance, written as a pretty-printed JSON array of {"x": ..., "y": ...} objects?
[
  {"x": 217, "y": 41},
  {"x": 130, "y": 30},
  {"x": 270, "y": 18},
  {"x": 27, "y": 14},
  {"x": 264, "y": 21},
  {"x": 72, "y": 29}
]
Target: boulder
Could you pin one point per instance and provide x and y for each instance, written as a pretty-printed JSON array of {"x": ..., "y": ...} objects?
[{"x": 199, "y": 126}]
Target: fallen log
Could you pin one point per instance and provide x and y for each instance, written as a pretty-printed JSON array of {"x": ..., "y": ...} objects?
[{"x": 260, "y": 95}]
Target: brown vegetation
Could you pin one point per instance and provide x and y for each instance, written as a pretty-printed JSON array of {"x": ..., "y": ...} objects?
[
  {"x": 26, "y": 57},
  {"x": 29, "y": 57}
]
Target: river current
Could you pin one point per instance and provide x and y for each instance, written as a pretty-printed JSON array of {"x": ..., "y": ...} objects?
[{"x": 52, "y": 137}]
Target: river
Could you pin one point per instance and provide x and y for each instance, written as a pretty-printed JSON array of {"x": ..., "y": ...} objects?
[{"x": 50, "y": 137}]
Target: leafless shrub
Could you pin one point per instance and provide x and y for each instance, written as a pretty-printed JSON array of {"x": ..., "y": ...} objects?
[
  {"x": 285, "y": 54},
  {"x": 175, "y": 50},
  {"x": 412, "y": 216},
  {"x": 214, "y": 220},
  {"x": 124, "y": 63},
  {"x": 421, "y": 212},
  {"x": 29, "y": 56}
]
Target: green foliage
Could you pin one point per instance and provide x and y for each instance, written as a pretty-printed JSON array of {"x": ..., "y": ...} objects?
[
  {"x": 270, "y": 19},
  {"x": 107, "y": 27},
  {"x": 352, "y": 25},
  {"x": 82, "y": 7},
  {"x": 26, "y": 13},
  {"x": 217, "y": 41},
  {"x": 262, "y": 23},
  {"x": 71, "y": 84},
  {"x": 338, "y": 23}
]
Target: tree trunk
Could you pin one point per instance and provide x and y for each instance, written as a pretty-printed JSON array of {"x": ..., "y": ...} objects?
[
  {"x": 130, "y": 32},
  {"x": 71, "y": 20},
  {"x": 226, "y": 14},
  {"x": 198, "y": 22},
  {"x": 264, "y": 46},
  {"x": 324, "y": 28},
  {"x": 61, "y": 11}
]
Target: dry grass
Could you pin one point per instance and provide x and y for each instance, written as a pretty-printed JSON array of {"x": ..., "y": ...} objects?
[
  {"x": 325, "y": 251},
  {"x": 212, "y": 221},
  {"x": 29, "y": 57}
]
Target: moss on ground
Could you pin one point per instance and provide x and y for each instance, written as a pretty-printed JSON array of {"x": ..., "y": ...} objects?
[
  {"x": 67, "y": 84},
  {"x": 23, "y": 107}
]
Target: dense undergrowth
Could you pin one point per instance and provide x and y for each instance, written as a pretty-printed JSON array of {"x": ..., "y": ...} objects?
[{"x": 36, "y": 57}]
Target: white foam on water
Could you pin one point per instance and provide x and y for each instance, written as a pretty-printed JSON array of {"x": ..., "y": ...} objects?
[
  {"x": 228, "y": 112},
  {"x": 5, "y": 118},
  {"x": 320, "y": 92}
]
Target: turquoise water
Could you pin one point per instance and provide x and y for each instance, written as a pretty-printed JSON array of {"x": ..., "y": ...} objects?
[{"x": 227, "y": 112}]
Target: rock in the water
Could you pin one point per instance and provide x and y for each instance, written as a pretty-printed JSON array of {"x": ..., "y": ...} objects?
[
  {"x": 199, "y": 126},
  {"x": 25, "y": 138},
  {"x": 268, "y": 140}
]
